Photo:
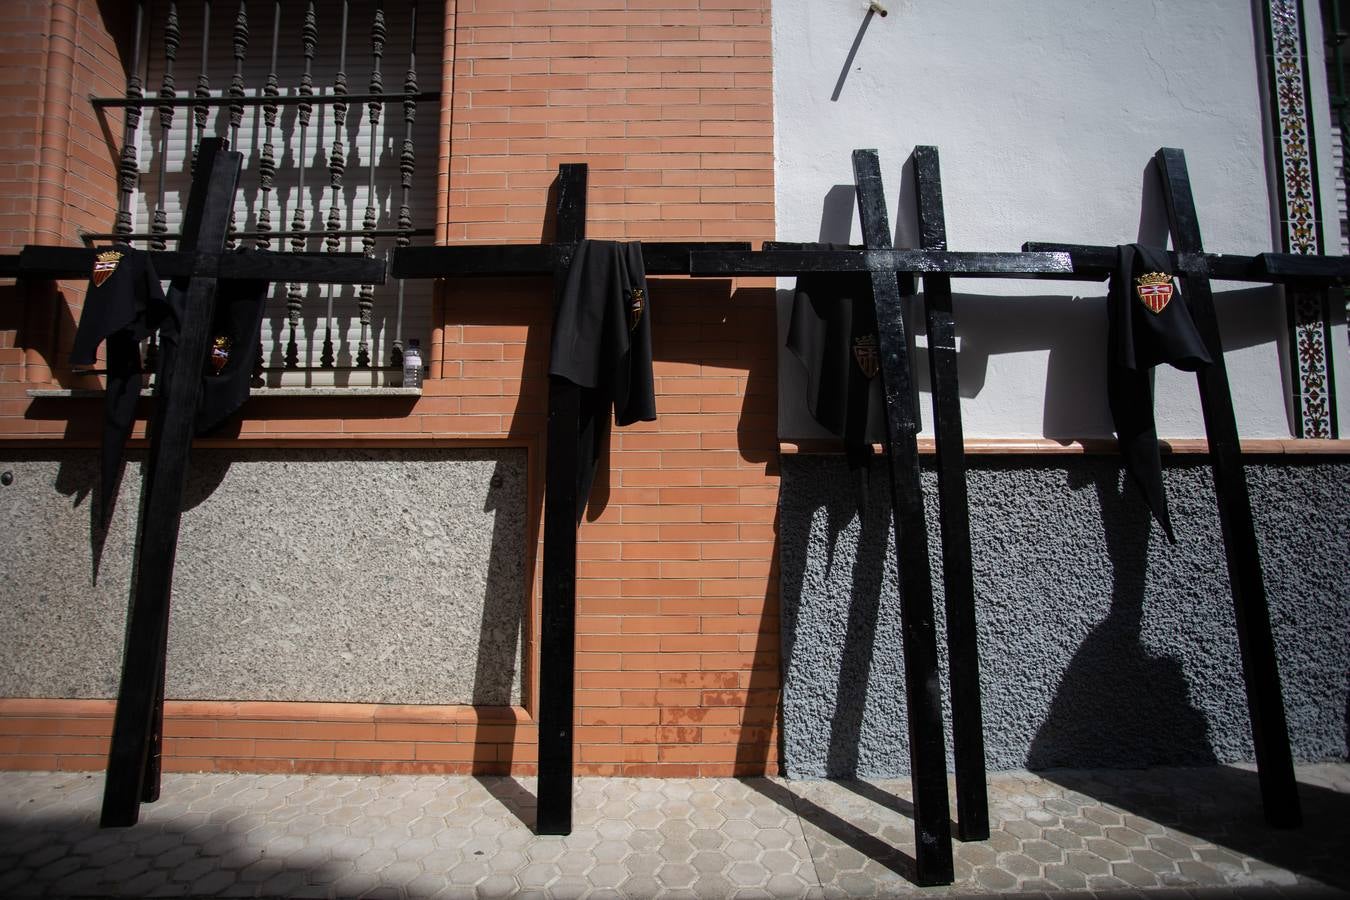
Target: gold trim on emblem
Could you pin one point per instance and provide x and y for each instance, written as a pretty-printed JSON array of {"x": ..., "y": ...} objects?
[
  {"x": 1154, "y": 290},
  {"x": 866, "y": 355},
  {"x": 104, "y": 265}
]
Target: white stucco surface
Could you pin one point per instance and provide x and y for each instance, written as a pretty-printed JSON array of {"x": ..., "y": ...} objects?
[{"x": 1047, "y": 115}]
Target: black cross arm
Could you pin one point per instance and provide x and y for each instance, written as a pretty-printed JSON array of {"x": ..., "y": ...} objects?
[
  {"x": 1095, "y": 263},
  {"x": 946, "y": 262},
  {"x": 40, "y": 261},
  {"x": 659, "y": 258}
]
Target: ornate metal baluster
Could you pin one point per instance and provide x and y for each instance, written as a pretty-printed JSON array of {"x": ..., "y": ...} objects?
[
  {"x": 203, "y": 89},
  {"x": 378, "y": 34},
  {"x": 267, "y": 166},
  {"x": 167, "y": 91},
  {"x": 337, "y": 165},
  {"x": 236, "y": 94},
  {"x": 159, "y": 226},
  {"x": 237, "y": 81},
  {"x": 129, "y": 168},
  {"x": 406, "y": 166},
  {"x": 294, "y": 299}
]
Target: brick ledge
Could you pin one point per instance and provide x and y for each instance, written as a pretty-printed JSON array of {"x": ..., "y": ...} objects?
[{"x": 1095, "y": 446}]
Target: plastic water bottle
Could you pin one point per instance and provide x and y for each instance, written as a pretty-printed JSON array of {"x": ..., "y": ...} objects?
[{"x": 412, "y": 365}]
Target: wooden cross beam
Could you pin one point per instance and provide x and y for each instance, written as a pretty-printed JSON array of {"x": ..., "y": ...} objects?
[
  {"x": 197, "y": 265},
  {"x": 958, "y": 582},
  {"x": 936, "y": 265},
  {"x": 1256, "y": 644},
  {"x": 558, "y": 627}
]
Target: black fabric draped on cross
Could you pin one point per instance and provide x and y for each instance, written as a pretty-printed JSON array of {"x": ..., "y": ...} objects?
[
  {"x": 833, "y": 333},
  {"x": 1148, "y": 324},
  {"x": 125, "y": 305},
  {"x": 602, "y": 342}
]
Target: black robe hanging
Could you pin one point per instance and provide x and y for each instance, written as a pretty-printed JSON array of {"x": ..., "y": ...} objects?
[
  {"x": 232, "y": 356},
  {"x": 124, "y": 305},
  {"x": 602, "y": 342},
  {"x": 1148, "y": 324},
  {"x": 833, "y": 333}
]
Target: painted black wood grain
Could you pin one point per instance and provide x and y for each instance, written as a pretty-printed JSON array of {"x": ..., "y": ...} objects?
[
  {"x": 972, "y": 802},
  {"x": 923, "y": 693},
  {"x": 1265, "y": 702}
]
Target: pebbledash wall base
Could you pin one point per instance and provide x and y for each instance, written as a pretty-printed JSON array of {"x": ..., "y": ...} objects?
[
  {"x": 340, "y": 575},
  {"x": 1100, "y": 644}
]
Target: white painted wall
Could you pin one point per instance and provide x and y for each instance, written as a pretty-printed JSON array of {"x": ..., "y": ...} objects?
[{"x": 1047, "y": 114}]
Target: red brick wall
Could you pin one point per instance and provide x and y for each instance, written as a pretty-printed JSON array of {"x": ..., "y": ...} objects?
[
  {"x": 57, "y": 175},
  {"x": 669, "y": 102}
]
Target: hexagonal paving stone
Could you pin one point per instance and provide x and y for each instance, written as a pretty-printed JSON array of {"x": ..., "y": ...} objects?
[
  {"x": 575, "y": 863},
  {"x": 713, "y": 887},
  {"x": 1043, "y": 851},
  {"x": 1102, "y": 815},
  {"x": 707, "y": 839},
  {"x": 469, "y": 872},
  {"x": 1154, "y": 861},
  {"x": 1124, "y": 836},
  {"x": 643, "y": 863},
  {"x": 570, "y": 887},
  {"x": 505, "y": 862},
  {"x": 536, "y": 876},
  {"x": 498, "y": 886},
  {"x": 614, "y": 830},
  {"x": 747, "y": 874},
  {"x": 709, "y": 862},
  {"x": 1170, "y": 847},
  {"x": 610, "y": 851},
  {"x": 1134, "y": 875},
  {"x": 1062, "y": 837},
  {"x": 992, "y": 878},
  {"x": 707, "y": 818},
  {"x": 677, "y": 875},
  {"x": 607, "y": 874}
]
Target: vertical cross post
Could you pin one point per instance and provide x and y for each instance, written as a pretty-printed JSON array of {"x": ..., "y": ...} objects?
[
  {"x": 558, "y": 626},
  {"x": 133, "y": 770},
  {"x": 923, "y": 694},
  {"x": 1270, "y": 732},
  {"x": 972, "y": 803}
]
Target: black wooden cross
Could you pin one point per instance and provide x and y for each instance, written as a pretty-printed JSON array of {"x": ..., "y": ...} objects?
[
  {"x": 1270, "y": 732},
  {"x": 197, "y": 265},
  {"x": 558, "y": 628},
  {"x": 928, "y": 766}
]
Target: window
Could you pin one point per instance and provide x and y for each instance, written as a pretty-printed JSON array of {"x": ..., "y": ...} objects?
[{"x": 317, "y": 175}]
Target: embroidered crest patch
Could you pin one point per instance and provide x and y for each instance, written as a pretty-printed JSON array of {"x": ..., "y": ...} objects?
[
  {"x": 637, "y": 302},
  {"x": 1154, "y": 290},
  {"x": 866, "y": 355},
  {"x": 220, "y": 353},
  {"x": 104, "y": 265}
]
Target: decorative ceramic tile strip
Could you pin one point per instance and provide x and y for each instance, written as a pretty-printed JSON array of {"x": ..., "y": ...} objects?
[{"x": 1300, "y": 218}]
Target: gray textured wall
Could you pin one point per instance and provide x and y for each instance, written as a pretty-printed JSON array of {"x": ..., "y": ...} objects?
[
  {"x": 1100, "y": 644},
  {"x": 393, "y": 576}
]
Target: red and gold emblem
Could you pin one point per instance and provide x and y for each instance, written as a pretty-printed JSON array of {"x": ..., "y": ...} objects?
[
  {"x": 104, "y": 265},
  {"x": 220, "y": 353},
  {"x": 637, "y": 302},
  {"x": 1154, "y": 290},
  {"x": 866, "y": 355}
]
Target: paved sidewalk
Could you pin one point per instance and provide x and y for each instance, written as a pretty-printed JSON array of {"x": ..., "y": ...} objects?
[{"x": 1169, "y": 832}]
